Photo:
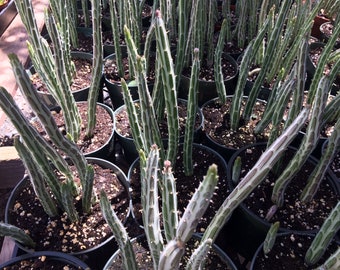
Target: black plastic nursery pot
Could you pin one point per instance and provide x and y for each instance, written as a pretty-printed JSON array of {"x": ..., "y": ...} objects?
[
  {"x": 128, "y": 146},
  {"x": 45, "y": 260},
  {"x": 93, "y": 255},
  {"x": 203, "y": 157},
  {"x": 248, "y": 227},
  {"x": 216, "y": 126},
  {"x": 289, "y": 252},
  {"x": 114, "y": 86},
  {"x": 217, "y": 258},
  {"x": 88, "y": 148},
  {"x": 207, "y": 89},
  {"x": 79, "y": 95}
]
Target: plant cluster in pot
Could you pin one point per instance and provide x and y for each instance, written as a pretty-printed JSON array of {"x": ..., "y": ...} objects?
[
  {"x": 64, "y": 191},
  {"x": 299, "y": 192},
  {"x": 56, "y": 73},
  {"x": 57, "y": 57},
  {"x": 146, "y": 134},
  {"x": 300, "y": 250},
  {"x": 235, "y": 118},
  {"x": 116, "y": 64},
  {"x": 146, "y": 131},
  {"x": 168, "y": 238}
]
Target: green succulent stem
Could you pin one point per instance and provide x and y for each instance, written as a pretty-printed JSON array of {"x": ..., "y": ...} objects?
[
  {"x": 120, "y": 233},
  {"x": 255, "y": 175},
  {"x": 17, "y": 234},
  {"x": 323, "y": 238}
]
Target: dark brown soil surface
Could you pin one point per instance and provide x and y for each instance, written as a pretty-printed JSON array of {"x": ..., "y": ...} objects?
[
  {"x": 288, "y": 253},
  {"x": 103, "y": 129},
  {"x": 207, "y": 71},
  {"x": 81, "y": 79},
  {"x": 186, "y": 185},
  {"x": 144, "y": 260},
  {"x": 294, "y": 214},
  {"x": 217, "y": 125},
  {"x": 59, "y": 233}
]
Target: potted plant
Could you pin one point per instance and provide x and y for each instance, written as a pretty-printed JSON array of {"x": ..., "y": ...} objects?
[
  {"x": 69, "y": 189},
  {"x": 150, "y": 173},
  {"x": 56, "y": 70},
  {"x": 300, "y": 250},
  {"x": 286, "y": 174},
  {"x": 177, "y": 231}
]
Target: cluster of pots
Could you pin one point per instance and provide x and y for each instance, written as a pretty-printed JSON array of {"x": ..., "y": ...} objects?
[{"x": 245, "y": 231}]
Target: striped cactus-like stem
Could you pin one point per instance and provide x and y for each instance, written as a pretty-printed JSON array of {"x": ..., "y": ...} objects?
[
  {"x": 323, "y": 238},
  {"x": 62, "y": 16},
  {"x": 314, "y": 180},
  {"x": 322, "y": 62},
  {"x": 85, "y": 9},
  {"x": 132, "y": 19},
  {"x": 197, "y": 205},
  {"x": 97, "y": 64},
  {"x": 169, "y": 202},
  {"x": 182, "y": 37},
  {"x": 174, "y": 250},
  {"x": 243, "y": 73},
  {"x": 120, "y": 233},
  {"x": 227, "y": 15},
  {"x": 332, "y": 111},
  {"x": 38, "y": 48},
  {"x": 148, "y": 42},
  {"x": 300, "y": 70},
  {"x": 133, "y": 118},
  {"x": 211, "y": 7},
  {"x": 51, "y": 128},
  {"x": 149, "y": 198},
  {"x": 17, "y": 234},
  {"x": 332, "y": 263},
  {"x": 116, "y": 31},
  {"x": 276, "y": 92},
  {"x": 219, "y": 78},
  {"x": 198, "y": 256},
  {"x": 149, "y": 125},
  {"x": 236, "y": 170},
  {"x": 40, "y": 110},
  {"x": 281, "y": 104},
  {"x": 169, "y": 85},
  {"x": 194, "y": 32},
  {"x": 255, "y": 176},
  {"x": 33, "y": 141},
  {"x": 68, "y": 201},
  {"x": 240, "y": 30},
  {"x": 241, "y": 83},
  {"x": 171, "y": 255},
  {"x": 37, "y": 179},
  {"x": 63, "y": 91},
  {"x": 269, "y": 55},
  {"x": 269, "y": 241},
  {"x": 191, "y": 115},
  {"x": 307, "y": 145}
]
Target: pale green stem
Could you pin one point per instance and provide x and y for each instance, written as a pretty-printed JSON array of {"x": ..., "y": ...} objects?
[
  {"x": 120, "y": 233},
  {"x": 192, "y": 107},
  {"x": 255, "y": 176},
  {"x": 307, "y": 145},
  {"x": 149, "y": 198},
  {"x": 97, "y": 64},
  {"x": 169, "y": 202},
  {"x": 323, "y": 238}
]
